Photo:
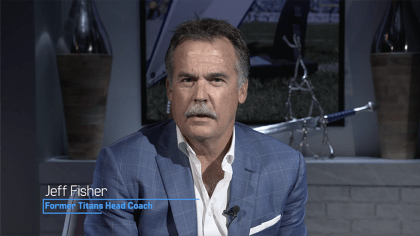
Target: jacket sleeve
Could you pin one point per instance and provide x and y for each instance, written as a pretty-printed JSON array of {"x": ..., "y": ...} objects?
[
  {"x": 110, "y": 221},
  {"x": 293, "y": 222}
]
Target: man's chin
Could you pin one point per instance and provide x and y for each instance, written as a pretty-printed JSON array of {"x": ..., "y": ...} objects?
[
  {"x": 200, "y": 132},
  {"x": 200, "y": 138}
]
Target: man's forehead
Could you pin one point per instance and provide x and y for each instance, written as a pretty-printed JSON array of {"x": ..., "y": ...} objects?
[
  {"x": 216, "y": 50},
  {"x": 193, "y": 57},
  {"x": 206, "y": 39},
  {"x": 221, "y": 43}
]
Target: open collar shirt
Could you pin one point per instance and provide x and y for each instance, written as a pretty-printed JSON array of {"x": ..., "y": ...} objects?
[{"x": 210, "y": 217}]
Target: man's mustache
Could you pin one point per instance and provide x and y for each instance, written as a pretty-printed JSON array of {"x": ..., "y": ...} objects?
[{"x": 200, "y": 109}]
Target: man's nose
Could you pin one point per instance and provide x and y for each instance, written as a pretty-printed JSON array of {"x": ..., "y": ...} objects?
[{"x": 201, "y": 94}]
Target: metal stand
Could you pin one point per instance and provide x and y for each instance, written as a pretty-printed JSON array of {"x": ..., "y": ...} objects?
[{"x": 304, "y": 85}]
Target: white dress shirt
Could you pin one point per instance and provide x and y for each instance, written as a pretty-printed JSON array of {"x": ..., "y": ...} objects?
[{"x": 210, "y": 218}]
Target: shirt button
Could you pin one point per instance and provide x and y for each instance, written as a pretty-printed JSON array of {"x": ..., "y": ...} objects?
[{"x": 210, "y": 213}]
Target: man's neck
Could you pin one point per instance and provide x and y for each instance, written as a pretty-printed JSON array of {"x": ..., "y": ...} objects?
[
  {"x": 209, "y": 150},
  {"x": 211, "y": 158}
]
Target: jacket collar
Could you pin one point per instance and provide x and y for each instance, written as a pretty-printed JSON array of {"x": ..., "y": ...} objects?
[
  {"x": 175, "y": 170},
  {"x": 243, "y": 186}
]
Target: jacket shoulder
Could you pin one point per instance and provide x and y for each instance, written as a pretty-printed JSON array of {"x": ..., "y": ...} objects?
[
  {"x": 146, "y": 139},
  {"x": 272, "y": 153},
  {"x": 265, "y": 143}
]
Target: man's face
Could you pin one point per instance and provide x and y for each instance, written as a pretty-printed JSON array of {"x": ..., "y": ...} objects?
[{"x": 204, "y": 77}]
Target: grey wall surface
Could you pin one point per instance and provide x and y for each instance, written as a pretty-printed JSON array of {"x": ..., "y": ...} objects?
[
  {"x": 363, "y": 196},
  {"x": 362, "y": 19},
  {"x": 49, "y": 106},
  {"x": 123, "y": 116},
  {"x": 121, "y": 20}
]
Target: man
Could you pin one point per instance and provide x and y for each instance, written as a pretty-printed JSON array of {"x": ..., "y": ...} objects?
[{"x": 202, "y": 154}]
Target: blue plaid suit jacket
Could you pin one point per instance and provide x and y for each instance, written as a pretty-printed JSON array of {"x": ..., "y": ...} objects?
[{"x": 269, "y": 179}]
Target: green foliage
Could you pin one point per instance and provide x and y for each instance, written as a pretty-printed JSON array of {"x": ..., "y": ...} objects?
[
  {"x": 267, "y": 98},
  {"x": 259, "y": 31},
  {"x": 156, "y": 102}
]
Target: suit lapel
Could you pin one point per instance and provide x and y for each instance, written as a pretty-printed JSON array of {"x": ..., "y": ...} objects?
[
  {"x": 244, "y": 183},
  {"x": 174, "y": 168}
]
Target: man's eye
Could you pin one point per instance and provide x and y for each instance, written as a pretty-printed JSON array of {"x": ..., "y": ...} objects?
[
  {"x": 217, "y": 81},
  {"x": 187, "y": 80}
]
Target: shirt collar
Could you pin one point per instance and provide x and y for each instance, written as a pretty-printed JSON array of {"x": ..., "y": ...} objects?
[{"x": 185, "y": 147}]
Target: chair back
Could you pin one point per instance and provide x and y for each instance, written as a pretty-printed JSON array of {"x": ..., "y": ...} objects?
[{"x": 74, "y": 222}]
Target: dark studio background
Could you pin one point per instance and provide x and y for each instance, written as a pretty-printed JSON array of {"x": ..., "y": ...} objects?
[
  {"x": 32, "y": 120},
  {"x": 261, "y": 23}
]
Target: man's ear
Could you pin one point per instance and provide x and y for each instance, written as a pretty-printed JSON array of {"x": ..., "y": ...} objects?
[
  {"x": 168, "y": 90},
  {"x": 243, "y": 92}
]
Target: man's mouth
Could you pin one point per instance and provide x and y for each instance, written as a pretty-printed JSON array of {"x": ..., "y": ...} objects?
[{"x": 201, "y": 115}]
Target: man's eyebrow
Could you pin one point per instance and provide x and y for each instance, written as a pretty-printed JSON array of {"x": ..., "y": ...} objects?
[
  {"x": 186, "y": 74},
  {"x": 217, "y": 75},
  {"x": 211, "y": 75}
]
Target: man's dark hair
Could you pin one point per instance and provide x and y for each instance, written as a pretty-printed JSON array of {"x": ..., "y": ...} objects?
[{"x": 207, "y": 29}]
